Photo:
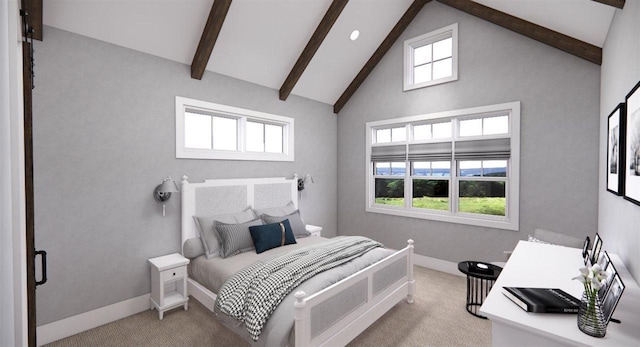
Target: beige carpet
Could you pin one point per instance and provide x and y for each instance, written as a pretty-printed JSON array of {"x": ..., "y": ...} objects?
[{"x": 437, "y": 318}]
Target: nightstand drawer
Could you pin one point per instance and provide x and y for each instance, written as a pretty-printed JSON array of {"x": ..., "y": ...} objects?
[{"x": 173, "y": 274}]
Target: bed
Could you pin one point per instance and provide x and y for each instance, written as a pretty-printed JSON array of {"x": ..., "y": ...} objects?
[{"x": 329, "y": 310}]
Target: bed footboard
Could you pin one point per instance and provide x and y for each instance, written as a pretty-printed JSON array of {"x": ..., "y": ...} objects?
[{"x": 339, "y": 313}]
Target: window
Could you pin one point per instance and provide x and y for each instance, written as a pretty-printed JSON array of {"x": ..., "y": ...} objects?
[
  {"x": 206, "y": 130},
  {"x": 431, "y": 58},
  {"x": 459, "y": 166}
]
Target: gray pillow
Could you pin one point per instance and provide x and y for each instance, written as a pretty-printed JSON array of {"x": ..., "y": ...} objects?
[
  {"x": 193, "y": 248},
  {"x": 209, "y": 234},
  {"x": 276, "y": 211},
  {"x": 236, "y": 238},
  {"x": 297, "y": 225}
]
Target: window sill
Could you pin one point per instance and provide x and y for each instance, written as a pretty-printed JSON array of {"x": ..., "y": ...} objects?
[
  {"x": 409, "y": 87},
  {"x": 446, "y": 217},
  {"x": 231, "y": 155}
]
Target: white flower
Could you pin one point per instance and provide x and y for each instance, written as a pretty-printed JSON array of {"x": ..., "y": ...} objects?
[
  {"x": 596, "y": 283},
  {"x": 580, "y": 278},
  {"x": 584, "y": 271}
]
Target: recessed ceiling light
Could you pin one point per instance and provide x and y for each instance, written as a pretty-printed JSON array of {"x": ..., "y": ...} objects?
[{"x": 354, "y": 35}]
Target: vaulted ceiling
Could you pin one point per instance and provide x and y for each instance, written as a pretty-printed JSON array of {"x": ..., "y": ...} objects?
[{"x": 302, "y": 47}]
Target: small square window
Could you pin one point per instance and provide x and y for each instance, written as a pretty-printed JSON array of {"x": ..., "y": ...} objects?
[{"x": 431, "y": 58}]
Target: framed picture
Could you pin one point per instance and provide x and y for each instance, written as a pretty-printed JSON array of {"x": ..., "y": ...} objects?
[
  {"x": 604, "y": 260},
  {"x": 595, "y": 250},
  {"x": 606, "y": 283},
  {"x": 613, "y": 296},
  {"x": 632, "y": 146},
  {"x": 615, "y": 150},
  {"x": 585, "y": 250}
]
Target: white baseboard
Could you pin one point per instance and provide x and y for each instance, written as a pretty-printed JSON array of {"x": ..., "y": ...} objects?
[
  {"x": 76, "y": 324},
  {"x": 437, "y": 264}
]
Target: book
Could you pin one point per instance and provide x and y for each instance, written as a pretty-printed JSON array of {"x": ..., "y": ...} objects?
[{"x": 542, "y": 300}]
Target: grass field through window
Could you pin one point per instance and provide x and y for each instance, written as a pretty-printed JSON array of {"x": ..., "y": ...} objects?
[{"x": 490, "y": 206}]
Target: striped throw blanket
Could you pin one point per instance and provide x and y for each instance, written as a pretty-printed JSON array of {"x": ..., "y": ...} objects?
[{"x": 253, "y": 294}]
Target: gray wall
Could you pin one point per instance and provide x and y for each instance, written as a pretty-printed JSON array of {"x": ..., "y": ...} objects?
[
  {"x": 559, "y": 128},
  {"x": 619, "y": 219},
  {"x": 104, "y": 138}
]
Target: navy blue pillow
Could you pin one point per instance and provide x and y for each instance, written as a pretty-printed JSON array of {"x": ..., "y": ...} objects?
[{"x": 268, "y": 236}]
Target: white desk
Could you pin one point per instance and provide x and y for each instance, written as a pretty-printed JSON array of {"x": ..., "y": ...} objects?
[{"x": 540, "y": 265}]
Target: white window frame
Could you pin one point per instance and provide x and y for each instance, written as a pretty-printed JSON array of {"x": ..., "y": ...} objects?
[
  {"x": 508, "y": 222},
  {"x": 242, "y": 115},
  {"x": 410, "y": 45}
]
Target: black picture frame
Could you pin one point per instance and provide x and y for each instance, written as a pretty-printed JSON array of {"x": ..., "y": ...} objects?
[
  {"x": 585, "y": 250},
  {"x": 632, "y": 146},
  {"x": 595, "y": 250},
  {"x": 613, "y": 296},
  {"x": 606, "y": 283},
  {"x": 616, "y": 150}
]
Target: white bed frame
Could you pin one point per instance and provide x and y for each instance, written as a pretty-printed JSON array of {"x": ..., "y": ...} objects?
[{"x": 379, "y": 297}]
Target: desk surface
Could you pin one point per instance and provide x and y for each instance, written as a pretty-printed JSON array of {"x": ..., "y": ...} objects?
[{"x": 549, "y": 266}]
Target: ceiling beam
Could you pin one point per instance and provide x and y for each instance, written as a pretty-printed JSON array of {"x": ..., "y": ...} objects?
[
  {"x": 312, "y": 46},
  {"x": 615, "y": 3},
  {"x": 34, "y": 17},
  {"x": 552, "y": 38},
  {"x": 209, "y": 36},
  {"x": 397, "y": 30}
]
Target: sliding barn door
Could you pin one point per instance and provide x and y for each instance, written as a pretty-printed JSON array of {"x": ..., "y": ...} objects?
[{"x": 32, "y": 27}]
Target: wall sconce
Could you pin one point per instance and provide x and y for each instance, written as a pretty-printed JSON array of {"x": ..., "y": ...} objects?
[
  {"x": 163, "y": 191},
  {"x": 302, "y": 181}
]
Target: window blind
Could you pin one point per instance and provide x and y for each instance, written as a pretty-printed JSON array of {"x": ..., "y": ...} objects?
[
  {"x": 430, "y": 151},
  {"x": 389, "y": 153},
  {"x": 483, "y": 149}
]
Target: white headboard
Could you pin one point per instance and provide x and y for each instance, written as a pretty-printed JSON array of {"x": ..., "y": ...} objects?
[{"x": 222, "y": 196}]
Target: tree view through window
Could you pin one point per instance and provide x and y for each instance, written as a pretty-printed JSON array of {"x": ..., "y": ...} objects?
[{"x": 466, "y": 170}]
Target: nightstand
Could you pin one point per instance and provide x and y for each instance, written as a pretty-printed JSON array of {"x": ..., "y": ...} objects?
[
  {"x": 314, "y": 230},
  {"x": 168, "y": 283}
]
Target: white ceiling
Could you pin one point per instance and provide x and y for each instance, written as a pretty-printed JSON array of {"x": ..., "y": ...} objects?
[{"x": 261, "y": 40}]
